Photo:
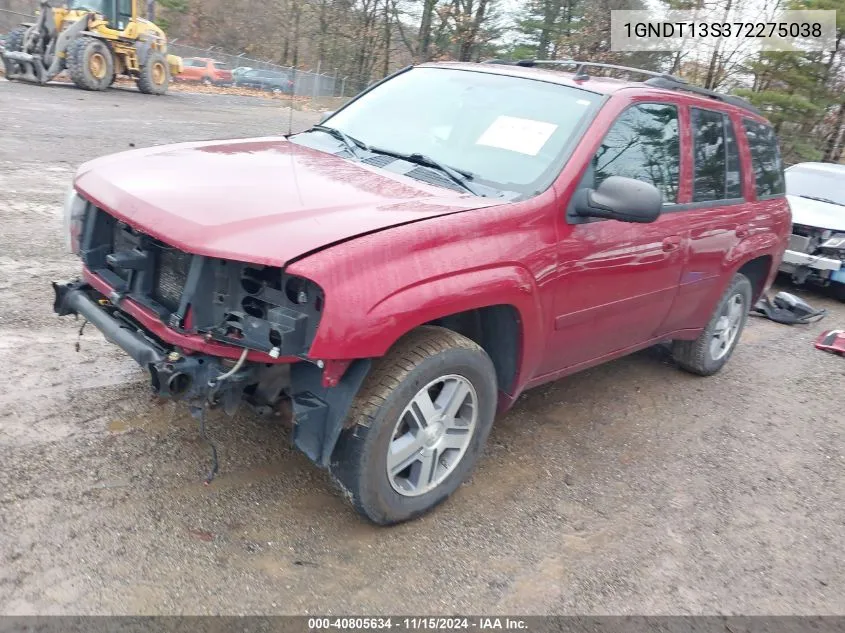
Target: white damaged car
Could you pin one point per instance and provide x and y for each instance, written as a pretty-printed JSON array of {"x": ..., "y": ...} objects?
[{"x": 816, "y": 253}]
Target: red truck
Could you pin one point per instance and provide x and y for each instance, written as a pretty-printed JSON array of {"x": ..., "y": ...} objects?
[{"x": 404, "y": 270}]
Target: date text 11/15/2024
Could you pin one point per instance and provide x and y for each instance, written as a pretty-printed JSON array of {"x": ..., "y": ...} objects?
[{"x": 420, "y": 623}]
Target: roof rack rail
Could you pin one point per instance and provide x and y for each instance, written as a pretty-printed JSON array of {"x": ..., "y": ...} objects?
[
  {"x": 581, "y": 74},
  {"x": 656, "y": 80},
  {"x": 667, "y": 83}
]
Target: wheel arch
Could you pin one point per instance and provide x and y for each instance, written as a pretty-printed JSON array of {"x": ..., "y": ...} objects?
[
  {"x": 481, "y": 304},
  {"x": 498, "y": 330},
  {"x": 759, "y": 271}
]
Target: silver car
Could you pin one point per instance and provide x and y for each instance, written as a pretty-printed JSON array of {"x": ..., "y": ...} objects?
[{"x": 816, "y": 253}]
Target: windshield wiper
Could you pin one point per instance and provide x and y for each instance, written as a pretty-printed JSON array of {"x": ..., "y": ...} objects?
[
  {"x": 828, "y": 200},
  {"x": 458, "y": 176},
  {"x": 352, "y": 143}
]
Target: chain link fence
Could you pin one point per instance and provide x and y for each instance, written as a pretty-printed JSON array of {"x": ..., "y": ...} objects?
[
  {"x": 12, "y": 19},
  {"x": 304, "y": 83},
  {"x": 314, "y": 89}
]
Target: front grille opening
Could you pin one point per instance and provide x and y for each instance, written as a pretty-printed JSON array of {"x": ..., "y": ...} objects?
[
  {"x": 254, "y": 279},
  {"x": 171, "y": 275}
]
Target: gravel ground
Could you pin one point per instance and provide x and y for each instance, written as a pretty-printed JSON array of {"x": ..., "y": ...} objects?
[{"x": 629, "y": 488}]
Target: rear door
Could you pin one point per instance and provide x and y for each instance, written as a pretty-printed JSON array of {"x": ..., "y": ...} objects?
[
  {"x": 616, "y": 280},
  {"x": 717, "y": 216}
]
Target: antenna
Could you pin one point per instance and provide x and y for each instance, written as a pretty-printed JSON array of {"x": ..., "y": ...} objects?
[{"x": 290, "y": 106}]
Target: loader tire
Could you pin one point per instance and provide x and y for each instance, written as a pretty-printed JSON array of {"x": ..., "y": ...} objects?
[
  {"x": 15, "y": 41},
  {"x": 15, "y": 44},
  {"x": 155, "y": 75},
  {"x": 90, "y": 63}
]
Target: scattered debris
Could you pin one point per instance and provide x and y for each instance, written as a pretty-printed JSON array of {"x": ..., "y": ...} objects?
[
  {"x": 788, "y": 309},
  {"x": 832, "y": 341}
]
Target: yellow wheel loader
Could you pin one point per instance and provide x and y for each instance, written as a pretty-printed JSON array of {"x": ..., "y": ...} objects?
[{"x": 95, "y": 41}]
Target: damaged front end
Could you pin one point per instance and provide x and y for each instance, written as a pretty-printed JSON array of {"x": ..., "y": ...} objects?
[
  {"x": 210, "y": 331},
  {"x": 815, "y": 255}
]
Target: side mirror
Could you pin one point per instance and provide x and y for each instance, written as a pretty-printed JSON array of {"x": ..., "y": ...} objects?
[
  {"x": 620, "y": 198},
  {"x": 326, "y": 116}
]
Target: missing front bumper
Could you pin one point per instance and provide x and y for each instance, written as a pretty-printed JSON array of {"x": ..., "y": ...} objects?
[{"x": 173, "y": 374}]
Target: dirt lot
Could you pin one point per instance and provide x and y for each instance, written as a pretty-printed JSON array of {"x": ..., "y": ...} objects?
[{"x": 630, "y": 488}]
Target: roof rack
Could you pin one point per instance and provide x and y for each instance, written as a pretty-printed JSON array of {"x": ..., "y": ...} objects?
[
  {"x": 580, "y": 73},
  {"x": 656, "y": 79},
  {"x": 668, "y": 84}
]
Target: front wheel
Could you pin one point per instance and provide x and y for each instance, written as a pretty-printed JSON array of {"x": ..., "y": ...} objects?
[
  {"x": 417, "y": 426},
  {"x": 711, "y": 350},
  {"x": 90, "y": 63}
]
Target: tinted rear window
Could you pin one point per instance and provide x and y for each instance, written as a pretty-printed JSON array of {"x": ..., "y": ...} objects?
[{"x": 765, "y": 158}]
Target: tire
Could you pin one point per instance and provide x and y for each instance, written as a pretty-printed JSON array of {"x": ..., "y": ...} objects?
[
  {"x": 154, "y": 74},
  {"x": 206, "y": 81},
  {"x": 14, "y": 43},
  {"x": 90, "y": 63},
  {"x": 704, "y": 356},
  {"x": 381, "y": 417},
  {"x": 837, "y": 289}
]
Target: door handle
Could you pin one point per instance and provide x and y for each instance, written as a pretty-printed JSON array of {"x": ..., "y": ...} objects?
[
  {"x": 742, "y": 231},
  {"x": 671, "y": 243}
]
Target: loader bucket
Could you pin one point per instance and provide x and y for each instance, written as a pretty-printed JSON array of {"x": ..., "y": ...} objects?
[{"x": 41, "y": 65}]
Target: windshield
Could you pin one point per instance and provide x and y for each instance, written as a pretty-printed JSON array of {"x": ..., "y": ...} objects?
[
  {"x": 510, "y": 133},
  {"x": 818, "y": 184},
  {"x": 98, "y": 6}
]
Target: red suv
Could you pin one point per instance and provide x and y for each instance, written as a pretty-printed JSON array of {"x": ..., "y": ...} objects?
[
  {"x": 454, "y": 235},
  {"x": 206, "y": 71}
]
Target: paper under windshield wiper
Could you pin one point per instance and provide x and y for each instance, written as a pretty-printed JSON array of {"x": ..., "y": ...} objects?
[
  {"x": 458, "y": 176},
  {"x": 352, "y": 143},
  {"x": 828, "y": 200}
]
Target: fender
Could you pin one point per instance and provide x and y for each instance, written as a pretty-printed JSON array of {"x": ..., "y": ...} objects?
[{"x": 421, "y": 302}]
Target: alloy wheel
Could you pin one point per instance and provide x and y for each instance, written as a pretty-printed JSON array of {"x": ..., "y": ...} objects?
[
  {"x": 727, "y": 327},
  {"x": 432, "y": 435}
]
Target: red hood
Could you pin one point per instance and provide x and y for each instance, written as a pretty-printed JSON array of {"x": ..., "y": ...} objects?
[{"x": 265, "y": 201}]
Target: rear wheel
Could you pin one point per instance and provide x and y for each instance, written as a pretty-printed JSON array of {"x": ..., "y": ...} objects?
[
  {"x": 711, "y": 350},
  {"x": 419, "y": 424},
  {"x": 90, "y": 63},
  {"x": 837, "y": 289},
  {"x": 206, "y": 81},
  {"x": 154, "y": 76}
]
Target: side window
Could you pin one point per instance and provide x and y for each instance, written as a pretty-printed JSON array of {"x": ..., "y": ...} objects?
[
  {"x": 715, "y": 157},
  {"x": 124, "y": 12},
  {"x": 643, "y": 144},
  {"x": 765, "y": 158}
]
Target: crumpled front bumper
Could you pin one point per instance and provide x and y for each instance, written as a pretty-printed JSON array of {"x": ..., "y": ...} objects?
[{"x": 173, "y": 373}]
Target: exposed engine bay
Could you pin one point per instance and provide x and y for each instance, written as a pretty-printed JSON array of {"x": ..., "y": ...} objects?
[
  {"x": 210, "y": 331},
  {"x": 815, "y": 255}
]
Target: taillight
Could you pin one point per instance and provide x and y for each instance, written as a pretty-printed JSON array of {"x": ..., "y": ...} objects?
[{"x": 74, "y": 214}]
